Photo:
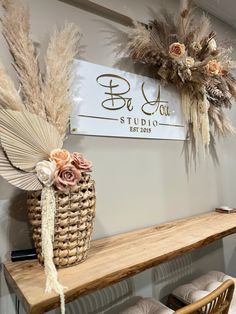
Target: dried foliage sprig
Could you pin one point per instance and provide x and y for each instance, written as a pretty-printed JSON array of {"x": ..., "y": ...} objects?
[
  {"x": 183, "y": 51},
  {"x": 61, "y": 52}
]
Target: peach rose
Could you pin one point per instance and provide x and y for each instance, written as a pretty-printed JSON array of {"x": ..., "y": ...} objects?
[
  {"x": 176, "y": 50},
  {"x": 81, "y": 163},
  {"x": 213, "y": 67},
  {"x": 66, "y": 176},
  {"x": 189, "y": 61},
  {"x": 60, "y": 157}
]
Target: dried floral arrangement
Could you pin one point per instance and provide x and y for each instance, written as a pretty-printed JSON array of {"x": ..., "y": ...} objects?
[
  {"x": 33, "y": 122},
  {"x": 182, "y": 50}
]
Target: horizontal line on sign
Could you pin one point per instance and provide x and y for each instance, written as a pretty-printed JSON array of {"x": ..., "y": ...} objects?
[
  {"x": 95, "y": 117},
  {"x": 176, "y": 125}
]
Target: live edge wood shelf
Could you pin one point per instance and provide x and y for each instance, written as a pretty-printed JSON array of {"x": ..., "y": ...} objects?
[{"x": 115, "y": 258}]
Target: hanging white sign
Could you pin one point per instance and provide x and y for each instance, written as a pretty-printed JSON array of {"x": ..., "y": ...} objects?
[{"x": 111, "y": 102}]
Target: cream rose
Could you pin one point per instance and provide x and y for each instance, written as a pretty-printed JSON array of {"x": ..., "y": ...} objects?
[
  {"x": 196, "y": 46},
  {"x": 60, "y": 157},
  {"x": 45, "y": 171},
  {"x": 189, "y": 61},
  {"x": 66, "y": 176},
  {"x": 81, "y": 163},
  {"x": 176, "y": 50},
  {"x": 213, "y": 67}
]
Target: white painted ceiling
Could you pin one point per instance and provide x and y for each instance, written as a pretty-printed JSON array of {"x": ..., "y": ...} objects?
[{"x": 223, "y": 9}]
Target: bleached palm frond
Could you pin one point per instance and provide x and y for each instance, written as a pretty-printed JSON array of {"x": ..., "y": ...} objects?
[
  {"x": 21, "y": 179},
  {"x": 27, "y": 138},
  {"x": 15, "y": 29},
  {"x": 61, "y": 52}
]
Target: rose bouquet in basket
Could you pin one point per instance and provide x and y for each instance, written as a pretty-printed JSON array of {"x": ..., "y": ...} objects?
[
  {"x": 33, "y": 124},
  {"x": 63, "y": 169}
]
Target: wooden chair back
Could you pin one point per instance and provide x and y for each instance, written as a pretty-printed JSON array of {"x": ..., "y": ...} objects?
[{"x": 217, "y": 302}]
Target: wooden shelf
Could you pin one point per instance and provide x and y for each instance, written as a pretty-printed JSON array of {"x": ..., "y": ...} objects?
[{"x": 115, "y": 258}]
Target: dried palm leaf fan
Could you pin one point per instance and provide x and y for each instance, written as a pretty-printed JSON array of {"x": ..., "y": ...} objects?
[
  {"x": 182, "y": 51},
  {"x": 33, "y": 124}
]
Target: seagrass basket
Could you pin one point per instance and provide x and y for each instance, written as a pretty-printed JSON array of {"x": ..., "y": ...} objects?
[{"x": 75, "y": 212}]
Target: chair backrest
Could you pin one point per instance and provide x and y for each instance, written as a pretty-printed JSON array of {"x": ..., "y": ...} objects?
[{"x": 216, "y": 302}]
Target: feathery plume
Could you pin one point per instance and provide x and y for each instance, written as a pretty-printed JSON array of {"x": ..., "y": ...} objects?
[
  {"x": 9, "y": 97},
  {"x": 15, "y": 29},
  {"x": 61, "y": 51}
]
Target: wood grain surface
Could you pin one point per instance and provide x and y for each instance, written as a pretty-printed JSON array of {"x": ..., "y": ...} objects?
[{"x": 118, "y": 257}]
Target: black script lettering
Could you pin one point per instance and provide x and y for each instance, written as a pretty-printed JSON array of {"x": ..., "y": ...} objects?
[
  {"x": 155, "y": 123},
  {"x": 129, "y": 119},
  {"x": 164, "y": 110},
  {"x": 122, "y": 120},
  {"x": 133, "y": 129},
  {"x": 116, "y": 100},
  {"x": 151, "y": 107}
]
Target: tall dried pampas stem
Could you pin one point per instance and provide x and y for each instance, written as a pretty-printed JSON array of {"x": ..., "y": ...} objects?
[
  {"x": 9, "y": 97},
  {"x": 15, "y": 24},
  {"x": 62, "y": 49}
]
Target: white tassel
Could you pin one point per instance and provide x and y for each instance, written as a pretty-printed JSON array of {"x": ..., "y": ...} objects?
[
  {"x": 195, "y": 121},
  {"x": 189, "y": 109},
  {"x": 48, "y": 206},
  {"x": 195, "y": 111},
  {"x": 186, "y": 104},
  {"x": 204, "y": 122}
]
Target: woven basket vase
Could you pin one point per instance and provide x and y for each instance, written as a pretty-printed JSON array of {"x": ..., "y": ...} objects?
[{"x": 75, "y": 212}]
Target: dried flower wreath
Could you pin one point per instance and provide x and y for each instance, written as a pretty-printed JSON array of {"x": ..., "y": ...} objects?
[
  {"x": 183, "y": 51},
  {"x": 33, "y": 123}
]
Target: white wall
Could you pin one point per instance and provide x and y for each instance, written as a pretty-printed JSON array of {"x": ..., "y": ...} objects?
[{"x": 139, "y": 182}]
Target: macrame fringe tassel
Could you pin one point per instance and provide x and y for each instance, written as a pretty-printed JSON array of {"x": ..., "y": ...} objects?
[
  {"x": 48, "y": 206},
  {"x": 204, "y": 122},
  {"x": 195, "y": 111}
]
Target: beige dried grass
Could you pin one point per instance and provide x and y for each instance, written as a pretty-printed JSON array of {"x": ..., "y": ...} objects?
[
  {"x": 62, "y": 49},
  {"x": 222, "y": 124},
  {"x": 9, "y": 97},
  {"x": 15, "y": 29},
  {"x": 203, "y": 29},
  {"x": 50, "y": 99}
]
